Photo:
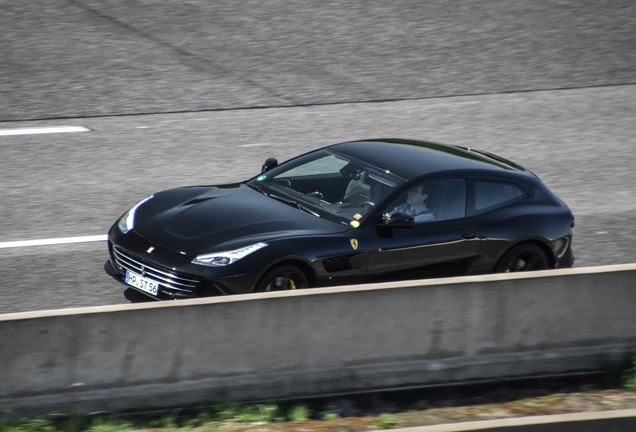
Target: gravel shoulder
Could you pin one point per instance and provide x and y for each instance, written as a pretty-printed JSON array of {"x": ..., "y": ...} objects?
[{"x": 564, "y": 403}]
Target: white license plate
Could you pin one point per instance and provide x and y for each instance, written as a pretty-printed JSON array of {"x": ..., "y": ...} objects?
[{"x": 142, "y": 283}]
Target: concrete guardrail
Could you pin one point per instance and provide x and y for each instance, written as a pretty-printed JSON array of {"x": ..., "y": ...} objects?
[{"x": 324, "y": 340}]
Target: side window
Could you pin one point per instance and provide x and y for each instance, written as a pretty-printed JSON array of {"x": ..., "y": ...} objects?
[
  {"x": 491, "y": 194},
  {"x": 433, "y": 201},
  {"x": 448, "y": 199}
]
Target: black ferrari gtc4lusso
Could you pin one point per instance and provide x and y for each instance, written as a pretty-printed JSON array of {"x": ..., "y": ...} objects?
[{"x": 361, "y": 211}]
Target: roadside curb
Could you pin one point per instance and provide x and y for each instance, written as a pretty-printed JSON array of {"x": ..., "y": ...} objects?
[{"x": 607, "y": 421}]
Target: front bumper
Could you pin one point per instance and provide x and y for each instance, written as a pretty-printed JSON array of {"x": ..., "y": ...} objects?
[
  {"x": 172, "y": 284},
  {"x": 177, "y": 276}
]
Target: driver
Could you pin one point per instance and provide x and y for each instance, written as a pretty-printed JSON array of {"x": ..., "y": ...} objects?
[{"x": 415, "y": 205}]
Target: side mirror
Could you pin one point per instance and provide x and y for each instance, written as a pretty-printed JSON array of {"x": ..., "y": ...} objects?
[
  {"x": 397, "y": 220},
  {"x": 269, "y": 164}
]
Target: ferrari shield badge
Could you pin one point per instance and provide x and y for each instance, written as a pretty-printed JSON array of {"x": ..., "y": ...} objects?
[{"x": 354, "y": 244}]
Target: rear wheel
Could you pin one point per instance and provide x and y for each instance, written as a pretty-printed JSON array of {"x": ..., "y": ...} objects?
[
  {"x": 524, "y": 257},
  {"x": 287, "y": 277}
]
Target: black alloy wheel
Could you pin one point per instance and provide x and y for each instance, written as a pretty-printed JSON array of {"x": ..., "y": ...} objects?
[
  {"x": 286, "y": 277},
  {"x": 524, "y": 257}
]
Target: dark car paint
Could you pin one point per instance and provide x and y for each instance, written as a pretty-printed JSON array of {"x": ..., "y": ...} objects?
[
  {"x": 185, "y": 222},
  {"x": 215, "y": 218}
]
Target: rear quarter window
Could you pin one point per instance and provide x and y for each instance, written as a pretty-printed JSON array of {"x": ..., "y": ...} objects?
[{"x": 489, "y": 194}]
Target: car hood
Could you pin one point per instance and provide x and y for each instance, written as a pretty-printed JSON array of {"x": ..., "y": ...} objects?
[{"x": 214, "y": 218}]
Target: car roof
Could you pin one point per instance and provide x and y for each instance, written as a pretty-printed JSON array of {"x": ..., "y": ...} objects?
[{"x": 410, "y": 159}]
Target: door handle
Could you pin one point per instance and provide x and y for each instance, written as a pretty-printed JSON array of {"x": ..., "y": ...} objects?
[{"x": 469, "y": 235}]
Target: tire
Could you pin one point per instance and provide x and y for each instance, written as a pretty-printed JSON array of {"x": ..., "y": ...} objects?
[
  {"x": 524, "y": 257},
  {"x": 286, "y": 277}
]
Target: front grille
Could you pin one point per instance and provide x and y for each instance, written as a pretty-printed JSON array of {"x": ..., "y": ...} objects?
[{"x": 170, "y": 282}]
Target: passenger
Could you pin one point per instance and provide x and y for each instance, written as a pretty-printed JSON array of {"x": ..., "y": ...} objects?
[{"x": 415, "y": 206}]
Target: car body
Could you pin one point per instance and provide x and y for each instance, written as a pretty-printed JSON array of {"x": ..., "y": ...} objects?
[{"x": 332, "y": 217}]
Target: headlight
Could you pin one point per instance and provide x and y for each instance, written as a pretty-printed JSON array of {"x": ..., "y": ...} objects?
[
  {"x": 127, "y": 221},
  {"x": 220, "y": 259}
]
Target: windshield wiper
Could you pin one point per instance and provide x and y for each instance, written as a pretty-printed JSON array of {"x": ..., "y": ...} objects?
[
  {"x": 293, "y": 203},
  {"x": 308, "y": 210},
  {"x": 257, "y": 189}
]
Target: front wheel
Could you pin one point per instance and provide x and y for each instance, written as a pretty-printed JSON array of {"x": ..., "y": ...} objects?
[
  {"x": 287, "y": 277},
  {"x": 525, "y": 257}
]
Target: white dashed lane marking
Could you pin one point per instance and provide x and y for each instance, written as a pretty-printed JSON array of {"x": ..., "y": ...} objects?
[
  {"x": 43, "y": 130},
  {"x": 52, "y": 241}
]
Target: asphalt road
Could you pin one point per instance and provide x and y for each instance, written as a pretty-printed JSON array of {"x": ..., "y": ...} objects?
[
  {"x": 73, "y": 58},
  {"x": 178, "y": 93}
]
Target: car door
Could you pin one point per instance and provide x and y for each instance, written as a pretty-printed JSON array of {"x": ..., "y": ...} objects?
[{"x": 441, "y": 241}]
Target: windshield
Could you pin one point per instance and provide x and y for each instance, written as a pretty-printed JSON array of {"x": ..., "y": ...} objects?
[{"x": 329, "y": 185}]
